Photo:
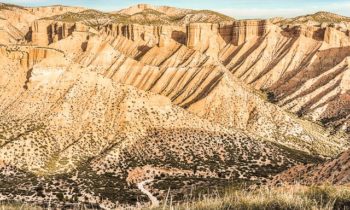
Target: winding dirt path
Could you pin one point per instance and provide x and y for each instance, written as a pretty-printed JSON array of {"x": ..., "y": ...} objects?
[{"x": 153, "y": 199}]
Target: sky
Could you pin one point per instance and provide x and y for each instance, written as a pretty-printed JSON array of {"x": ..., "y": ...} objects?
[{"x": 240, "y": 9}]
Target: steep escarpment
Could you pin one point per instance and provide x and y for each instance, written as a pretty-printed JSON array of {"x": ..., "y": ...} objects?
[
  {"x": 242, "y": 31},
  {"x": 44, "y": 32},
  {"x": 279, "y": 60},
  {"x": 212, "y": 38},
  {"x": 259, "y": 53},
  {"x": 28, "y": 56},
  {"x": 201, "y": 85},
  {"x": 151, "y": 35}
]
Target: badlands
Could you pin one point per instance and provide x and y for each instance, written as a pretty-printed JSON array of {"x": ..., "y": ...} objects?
[{"x": 148, "y": 103}]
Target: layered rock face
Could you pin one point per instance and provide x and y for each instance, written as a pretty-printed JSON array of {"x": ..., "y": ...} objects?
[
  {"x": 243, "y": 31},
  {"x": 198, "y": 83},
  {"x": 41, "y": 32},
  {"x": 149, "y": 34},
  {"x": 336, "y": 38},
  {"x": 45, "y": 32},
  {"x": 203, "y": 36},
  {"x": 286, "y": 61},
  {"x": 212, "y": 38},
  {"x": 28, "y": 56}
]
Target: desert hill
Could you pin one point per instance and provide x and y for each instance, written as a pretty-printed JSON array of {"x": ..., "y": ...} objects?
[
  {"x": 318, "y": 18},
  {"x": 84, "y": 118},
  {"x": 142, "y": 14},
  {"x": 96, "y": 104},
  {"x": 177, "y": 15},
  {"x": 171, "y": 11}
]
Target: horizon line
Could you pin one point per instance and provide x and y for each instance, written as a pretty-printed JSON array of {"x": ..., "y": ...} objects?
[{"x": 25, "y": 4}]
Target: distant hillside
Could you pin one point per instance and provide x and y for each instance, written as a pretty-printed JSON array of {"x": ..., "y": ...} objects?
[
  {"x": 171, "y": 11},
  {"x": 89, "y": 17},
  {"x": 174, "y": 15},
  {"x": 319, "y": 17},
  {"x": 8, "y": 6},
  {"x": 147, "y": 16}
]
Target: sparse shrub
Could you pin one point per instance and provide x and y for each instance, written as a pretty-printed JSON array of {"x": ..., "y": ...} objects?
[{"x": 60, "y": 196}]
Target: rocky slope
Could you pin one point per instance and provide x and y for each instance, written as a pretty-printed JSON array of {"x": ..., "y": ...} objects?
[
  {"x": 332, "y": 172},
  {"x": 94, "y": 106},
  {"x": 301, "y": 68},
  {"x": 78, "y": 124},
  {"x": 200, "y": 84}
]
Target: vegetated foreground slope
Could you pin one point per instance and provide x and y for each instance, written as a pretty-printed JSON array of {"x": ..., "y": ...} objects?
[
  {"x": 296, "y": 197},
  {"x": 71, "y": 124},
  {"x": 92, "y": 106}
]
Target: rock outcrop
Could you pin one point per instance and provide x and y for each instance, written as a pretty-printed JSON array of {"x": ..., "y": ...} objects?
[
  {"x": 243, "y": 31},
  {"x": 41, "y": 32},
  {"x": 149, "y": 34},
  {"x": 45, "y": 32},
  {"x": 203, "y": 37},
  {"x": 336, "y": 38},
  {"x": 212, "y": 38},
  {"x": 283, "y": 59}
]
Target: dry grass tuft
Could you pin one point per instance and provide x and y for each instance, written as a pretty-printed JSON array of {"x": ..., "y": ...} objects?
[
  {"x": 289, "y": 197},
  {"x": 18, "y": 206}
]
